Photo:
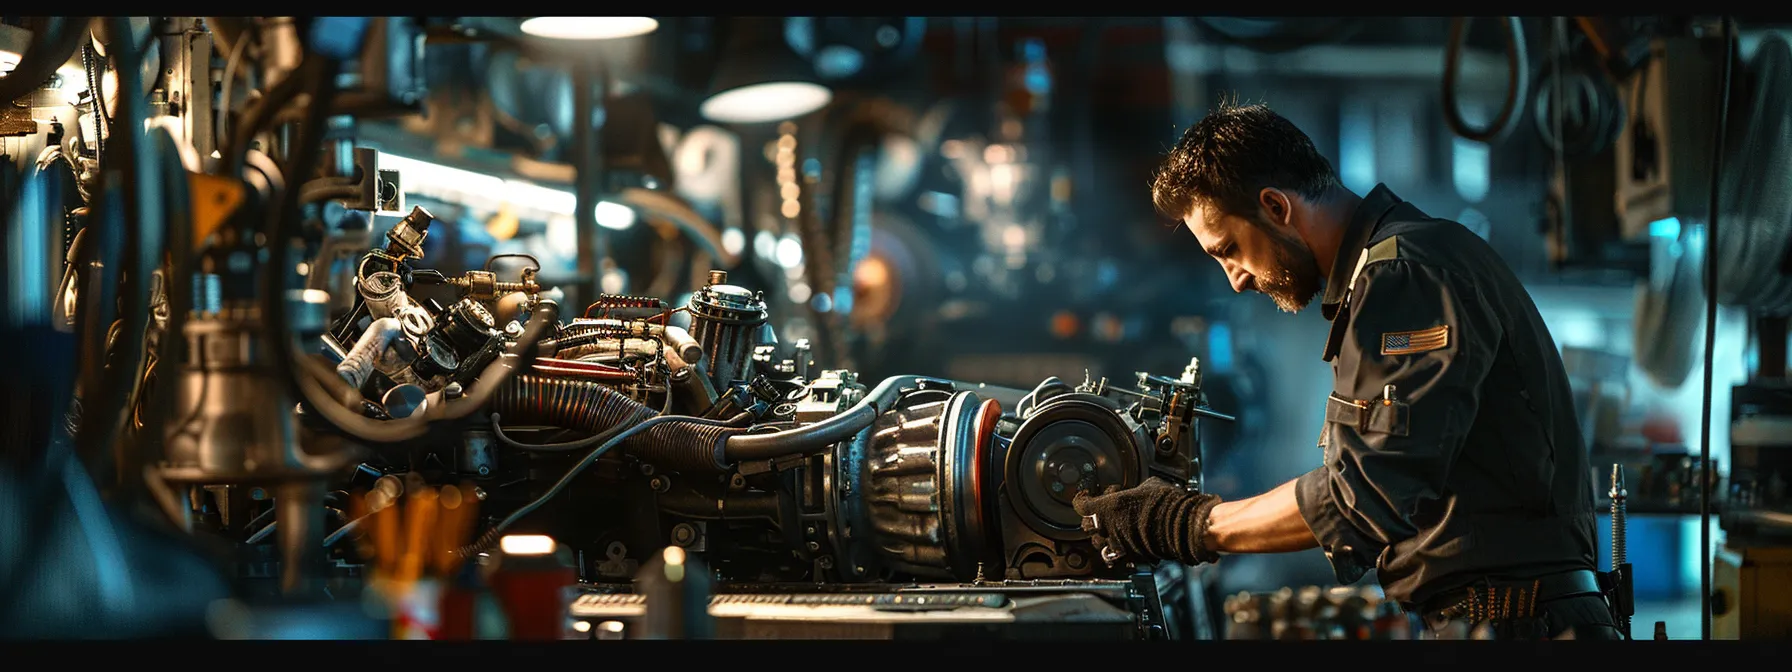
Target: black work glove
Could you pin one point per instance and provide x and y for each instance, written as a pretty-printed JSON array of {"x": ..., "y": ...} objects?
[{"x": 1149, "y": 523}]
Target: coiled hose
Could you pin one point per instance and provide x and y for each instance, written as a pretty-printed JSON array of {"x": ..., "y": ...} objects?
[{"x": 592, "y": 407}]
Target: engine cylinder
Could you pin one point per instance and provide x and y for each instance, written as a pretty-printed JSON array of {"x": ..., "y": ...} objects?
[
  {"x": 726, "y": 321},
  {"x": 924, "y": 474}
]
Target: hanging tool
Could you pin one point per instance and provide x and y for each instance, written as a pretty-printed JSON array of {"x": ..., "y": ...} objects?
[{"x": 1620, "y": 596}]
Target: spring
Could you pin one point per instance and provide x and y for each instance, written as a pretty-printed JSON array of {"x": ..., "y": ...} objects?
[{"x": 609, "y": 302}]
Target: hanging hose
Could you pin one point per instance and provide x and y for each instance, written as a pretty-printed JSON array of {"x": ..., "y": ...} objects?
[
  {"x": 594, "y": 408},
  {"x": 1717, "y": 169},
  {"x": 758, "y": 447},
  {"x": 1517, "y": 68}
]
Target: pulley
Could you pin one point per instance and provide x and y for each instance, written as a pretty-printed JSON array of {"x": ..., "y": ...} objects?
[{"x": 1073, "y": 442}]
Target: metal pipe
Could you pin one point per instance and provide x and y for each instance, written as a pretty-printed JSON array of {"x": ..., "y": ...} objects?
[{"x": 587, "y": 171}]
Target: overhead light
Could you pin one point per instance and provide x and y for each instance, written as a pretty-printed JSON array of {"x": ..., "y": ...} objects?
[
  {"x": 589, "y": 27},
  {"x": 770, "y": 101},
  {"x": 760, "y": 79},
  {"x": 13, "y": 43}
]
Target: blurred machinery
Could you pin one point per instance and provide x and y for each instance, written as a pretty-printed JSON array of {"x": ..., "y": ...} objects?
[
  {"x": 266, "y": 366},
  {"x": 1315, "y": 613}
]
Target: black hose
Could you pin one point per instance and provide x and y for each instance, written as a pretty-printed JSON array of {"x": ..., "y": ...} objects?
[
  {"x": 1717, "y": 169},
  {"x": 808, "y": 438},
  {"x": 490, "y": 537},
  {"x": 261, "y": 113},
  {"x": 592, "y": 407},
  {"x": 1517, "y": 68},
  {"x": 318, "y": 74}
]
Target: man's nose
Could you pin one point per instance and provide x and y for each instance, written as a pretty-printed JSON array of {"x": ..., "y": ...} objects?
[{"x": 1238, "y": 277}]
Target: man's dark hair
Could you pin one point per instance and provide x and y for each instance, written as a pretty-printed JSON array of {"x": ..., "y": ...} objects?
[{"x": 1231, "y": 155}]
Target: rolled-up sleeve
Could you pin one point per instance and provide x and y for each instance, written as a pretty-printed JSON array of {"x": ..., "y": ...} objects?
[{"x": 1430, "y": 336}]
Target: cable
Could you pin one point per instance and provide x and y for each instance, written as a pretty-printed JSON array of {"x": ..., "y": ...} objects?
[
  {"x": 616, "y": 436},
  {"x": 1717, "y": 169},
  {"x": 1517, "y": 68}
]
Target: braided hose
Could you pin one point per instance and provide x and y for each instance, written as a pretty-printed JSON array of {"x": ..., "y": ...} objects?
[{"x": 593, "y": 407}]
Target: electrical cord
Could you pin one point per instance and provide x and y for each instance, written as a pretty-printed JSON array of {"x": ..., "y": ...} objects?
[
  {"x": 615, "y": 436},
  {"x": 1717, "y": 169},
  {"x": 1517, "y": 69}
]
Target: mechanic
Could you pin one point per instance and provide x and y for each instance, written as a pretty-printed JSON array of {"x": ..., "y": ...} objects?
[{"x": 1452, "y": 461}]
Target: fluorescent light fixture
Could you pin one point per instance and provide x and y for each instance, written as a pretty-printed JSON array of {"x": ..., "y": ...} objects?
[
  {"x": 526, "y": 544},
  {"x": 475, "y": 190},
  {"x": 615, "y": 215},
  {"x": 770, "y": 101},
  {"x": 589, "y": 27}
]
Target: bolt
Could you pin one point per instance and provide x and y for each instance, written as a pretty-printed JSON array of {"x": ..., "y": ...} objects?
[
  {"x": 485, "y": 470},
  {"x": 737, "y": 481},
  {"x": 1088, "y": 468},
  {"x": 858, "y": 570},
  {"x": 646, "y": 470},
  {"x": 659, "y": 484},
  {"x": 258, "y": 494},
  {"x": 479, "y": 494},
  {"x": 453, "y": 391},
  {"x": 810, "y": 529},
  {"x": 813, "y": 546},
  {"x": 1057, "y": 486},
  {"x": 1076, "y": 561},
  {"x": 825, "y": 562},
  {"x": 684, "y": 534}
]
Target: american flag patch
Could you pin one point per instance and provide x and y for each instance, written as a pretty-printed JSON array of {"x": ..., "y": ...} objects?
[{"x": 1409, "y": 342}]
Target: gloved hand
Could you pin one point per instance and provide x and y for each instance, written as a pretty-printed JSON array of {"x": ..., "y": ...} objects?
[{"x": 1149, "y": 523}]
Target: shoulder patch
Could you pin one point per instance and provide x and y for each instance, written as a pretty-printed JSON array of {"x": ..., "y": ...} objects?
[
  {"x": 1412, "y": 342},
  {"x": 1388, "y": 248}
]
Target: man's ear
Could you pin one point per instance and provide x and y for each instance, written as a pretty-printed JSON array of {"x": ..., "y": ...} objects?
[{"x": 1276, "y": 204}]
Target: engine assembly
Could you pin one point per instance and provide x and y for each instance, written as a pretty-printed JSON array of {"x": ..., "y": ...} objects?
[{"x": 619, "y": 433}]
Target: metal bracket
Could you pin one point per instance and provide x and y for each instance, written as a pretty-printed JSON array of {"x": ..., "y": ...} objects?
[{"x": 1151, "y": 612}]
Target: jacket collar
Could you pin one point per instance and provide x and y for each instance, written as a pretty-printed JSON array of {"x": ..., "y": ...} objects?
[{"x": 1357, "y": 232}]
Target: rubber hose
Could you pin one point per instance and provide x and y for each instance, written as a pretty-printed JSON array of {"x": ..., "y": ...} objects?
[
  {"x": 755, "y": 447},
  {"x": 1517, "y": 68},
  {"x": 593, "y": 408}
]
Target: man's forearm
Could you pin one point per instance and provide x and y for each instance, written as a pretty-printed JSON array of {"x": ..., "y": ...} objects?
[{"x": 1268, "y": 523}]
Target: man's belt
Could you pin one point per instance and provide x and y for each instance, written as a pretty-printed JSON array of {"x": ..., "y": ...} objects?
[{"x": 1490, "y": 599}]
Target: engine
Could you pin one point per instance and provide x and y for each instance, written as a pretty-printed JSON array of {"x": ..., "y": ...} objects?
[{"x": 619, "y": 433}]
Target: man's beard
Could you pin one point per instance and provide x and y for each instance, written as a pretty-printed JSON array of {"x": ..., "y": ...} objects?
[{"x": 1295, "y": 280}]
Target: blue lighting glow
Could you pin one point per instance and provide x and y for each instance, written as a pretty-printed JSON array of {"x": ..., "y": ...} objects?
[
  {"x": 1219, "y": 347},
  {"x": 1665, "y": 228}
]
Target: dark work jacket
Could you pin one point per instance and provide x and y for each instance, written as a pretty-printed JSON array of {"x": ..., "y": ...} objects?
[{"x": 1451, "y": 452}]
